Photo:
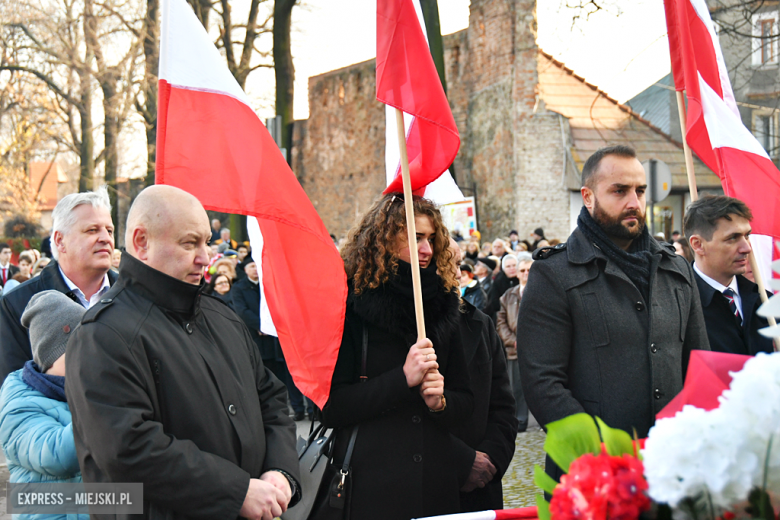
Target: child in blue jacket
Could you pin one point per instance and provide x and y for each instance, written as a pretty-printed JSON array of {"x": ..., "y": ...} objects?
[{"x": 36, "y": 432}]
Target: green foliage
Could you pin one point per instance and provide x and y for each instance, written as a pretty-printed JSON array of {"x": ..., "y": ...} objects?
[
  {"x": 542, "y": 508},
  {"x": 570, "y": 438},
  {"x": 543, "y": 480},
  {"x": 616, "y": 441},
  {"x": 20, "y": 244}
]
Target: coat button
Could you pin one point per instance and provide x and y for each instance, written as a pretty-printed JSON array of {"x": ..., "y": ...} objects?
[
  {"x": 232, "y": 409},
  {"x": 188, "y": 328},
  {"x": 106, "y": 300},
  {"x": 417, "y": 457},
  {"x": 639, "y": 306},
  {"x": 653, "y": 348},
  {"x": 416, "y": 419},
  {"x": 657, "y": 394}
]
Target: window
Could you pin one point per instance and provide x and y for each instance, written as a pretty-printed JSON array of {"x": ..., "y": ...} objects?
[
  {"x": 765, "y": 38},
  {"x": 765, "y": 130}
]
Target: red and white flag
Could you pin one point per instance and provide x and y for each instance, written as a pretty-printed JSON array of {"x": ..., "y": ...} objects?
[
  {"x": 406, "y": 79},
  {"x": 522, "y": 513},
  {"x": 714, "y": 127},
  {"x": 212, "y": 144}
]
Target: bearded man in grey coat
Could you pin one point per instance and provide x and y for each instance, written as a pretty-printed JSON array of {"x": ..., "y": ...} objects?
[{"x": 609, "y": 318}]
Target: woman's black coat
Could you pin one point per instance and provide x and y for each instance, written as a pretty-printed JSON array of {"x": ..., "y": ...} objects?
[{"x": 403, "y": 465}]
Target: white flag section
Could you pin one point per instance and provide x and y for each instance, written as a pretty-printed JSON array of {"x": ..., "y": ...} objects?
[
  {"x": 441, "y": 191},
  {"x": 480, "y": 515},
  {"x": 256, "y": 243}
]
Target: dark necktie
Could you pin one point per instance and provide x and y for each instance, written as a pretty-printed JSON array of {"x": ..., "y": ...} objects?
[{"x": 729, "y": 294}]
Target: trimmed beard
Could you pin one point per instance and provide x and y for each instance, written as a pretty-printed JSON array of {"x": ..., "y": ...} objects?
[{"x": 614, "y": 227}]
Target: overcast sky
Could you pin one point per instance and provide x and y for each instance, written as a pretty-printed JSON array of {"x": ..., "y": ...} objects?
[{"x": 622, "y": 51}]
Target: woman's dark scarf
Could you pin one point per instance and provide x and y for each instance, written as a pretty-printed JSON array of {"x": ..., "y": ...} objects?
[
  {"x": 635, "y": 262},
  {"x": 391, "y": 305}
]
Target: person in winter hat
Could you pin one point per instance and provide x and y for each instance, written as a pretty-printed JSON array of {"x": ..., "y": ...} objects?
[{"x": 36, "y": 432}]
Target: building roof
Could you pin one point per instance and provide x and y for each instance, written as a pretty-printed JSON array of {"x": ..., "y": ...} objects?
[
  {"x": 50, "y": 174},
  {"x": 597, "y": 120},
  {"x": 653, "y": 104}
]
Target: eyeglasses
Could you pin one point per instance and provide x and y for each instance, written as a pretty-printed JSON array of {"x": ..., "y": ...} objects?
[{"x": 222, "y": 283}]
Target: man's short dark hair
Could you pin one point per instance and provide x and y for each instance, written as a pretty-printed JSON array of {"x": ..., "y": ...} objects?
[
  {"x": 242, "y": 245},
  {"x": 592, "y": 164},
  {"x": 701, "y": 217},
  {"x": 4, "y": 246}
]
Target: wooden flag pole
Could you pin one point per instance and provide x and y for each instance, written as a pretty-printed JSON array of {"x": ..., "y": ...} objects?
[
  {"x": 686, "y": 149},
  {"x": 411, "y": 228},
  {"x": 695, "y": 196}
]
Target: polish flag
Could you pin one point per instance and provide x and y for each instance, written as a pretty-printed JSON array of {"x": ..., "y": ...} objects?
[
  {"x": 714, "y": 127},
  {"x": 406, "y": 79},
  {"x": 522, "y": 513},
  {"x": 212, "y": 144}
]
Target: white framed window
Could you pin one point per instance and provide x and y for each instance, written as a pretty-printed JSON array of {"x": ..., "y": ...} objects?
[
  {"x": 765, "y": 38},
  {"x": 765, "y": 130}
]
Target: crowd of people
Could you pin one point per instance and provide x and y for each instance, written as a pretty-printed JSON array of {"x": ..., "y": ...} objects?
[{"x": 172, "y": 383}]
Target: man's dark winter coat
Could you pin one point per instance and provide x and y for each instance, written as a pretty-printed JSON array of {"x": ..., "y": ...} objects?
[
  {"x": 476, "y": 296},
  {"x": 403, "y": 463},
  {"x": 725, "y": 334},
  {"x": 501, "y": 283},
  {"x": 246, "y": 302},
  {"x": 492, "y": 428},
  {"x": 14, "y": 338},
  {"x": 167, "y": 389},
  {"x": 588, "y": 342}
]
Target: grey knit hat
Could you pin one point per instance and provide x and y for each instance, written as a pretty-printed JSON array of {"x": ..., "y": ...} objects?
[{"x": 51, "y": 317}]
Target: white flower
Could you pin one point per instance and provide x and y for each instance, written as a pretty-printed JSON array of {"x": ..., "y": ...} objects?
[{"x": 721, "y": 452}]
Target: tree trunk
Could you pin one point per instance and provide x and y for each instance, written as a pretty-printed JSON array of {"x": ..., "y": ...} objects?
[
  {"x": 111, "y": 127},
  {"x": 202, "y": 10},
  {"x": 284, "y": 69},
  {"x": 149, "y": 109},
  {"x": 430, "y": 10},
  {"x": 87, "y": 148}
]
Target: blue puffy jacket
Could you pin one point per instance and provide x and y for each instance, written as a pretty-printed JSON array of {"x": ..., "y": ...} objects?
[{"x": 37, "y": 437}]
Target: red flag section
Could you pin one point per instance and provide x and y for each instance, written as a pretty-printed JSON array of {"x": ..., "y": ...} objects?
[
  {"x": 212, "y": 144},
  {"x": 406, "y": 79},
  {"x": 714, "y": 127},
  {"x": 707, "y": 377}
]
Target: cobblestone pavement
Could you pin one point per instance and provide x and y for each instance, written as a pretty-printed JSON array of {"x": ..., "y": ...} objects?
[{"x": 519, "y": 488}]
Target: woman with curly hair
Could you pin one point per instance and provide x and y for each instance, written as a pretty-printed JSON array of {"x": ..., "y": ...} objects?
[{"x": 416, "y": 391}]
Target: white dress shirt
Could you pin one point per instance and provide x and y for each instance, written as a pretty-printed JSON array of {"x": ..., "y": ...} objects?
[
  {"x": 720, "y": 287},
  {"x": 80, "y": 295}
]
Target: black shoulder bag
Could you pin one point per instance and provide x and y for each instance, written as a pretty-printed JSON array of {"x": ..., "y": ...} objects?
[{"x": 325, "y": 486}]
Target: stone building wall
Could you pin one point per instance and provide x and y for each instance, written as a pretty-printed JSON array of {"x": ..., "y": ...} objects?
[
  {"x": 510, "y": 151},
  {"x": 338, "y": 153}
]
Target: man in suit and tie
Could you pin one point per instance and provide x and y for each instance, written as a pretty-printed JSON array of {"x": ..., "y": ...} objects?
[
  {"x": 7, "y": 269},
  {"x": 717, "y": 228}
]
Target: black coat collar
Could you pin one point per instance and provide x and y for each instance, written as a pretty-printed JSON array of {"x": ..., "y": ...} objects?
[
  {"x": 746, "y": 290},
  {"x": 164, "y": 291},
  {"x": 581, "y": 251},
  {"x": 51, "y": 278}
]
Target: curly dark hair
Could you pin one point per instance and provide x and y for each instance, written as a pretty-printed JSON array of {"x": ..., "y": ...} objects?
[{"x": 369, "y": 254}]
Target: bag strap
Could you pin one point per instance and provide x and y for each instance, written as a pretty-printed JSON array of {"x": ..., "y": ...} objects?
[{"x": 363, "y": 379}]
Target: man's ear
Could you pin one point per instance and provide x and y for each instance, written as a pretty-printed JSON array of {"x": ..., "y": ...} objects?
[
  {"x": 56, "y": 239},
  {"x": 587, "y": 197},
  {"x": 698, "y": 245},
  {"x": 140, "y": 244}
]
